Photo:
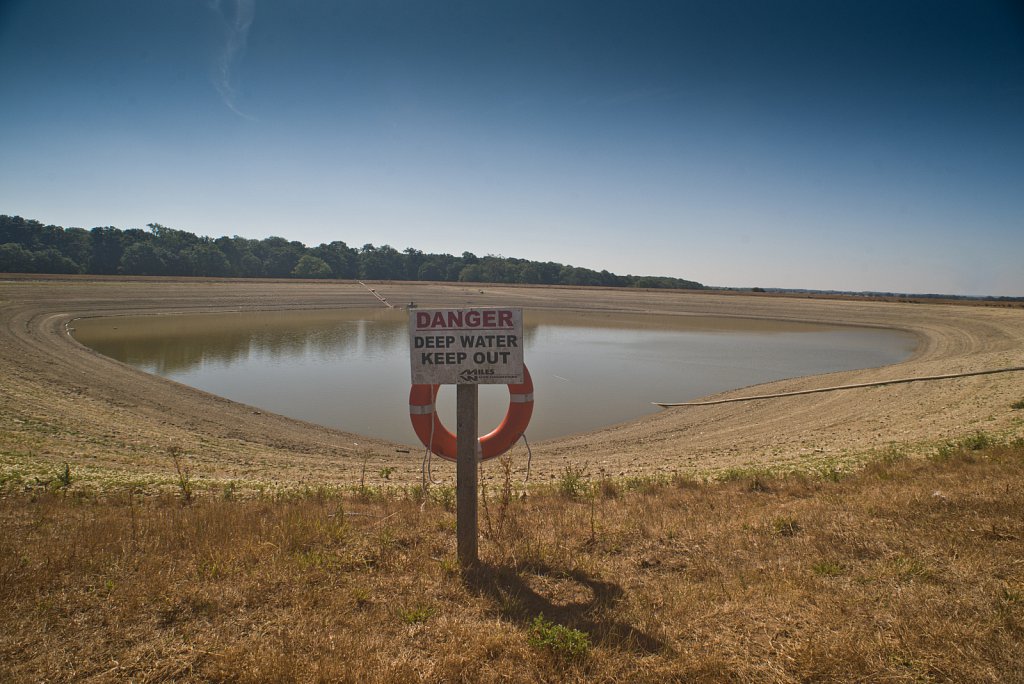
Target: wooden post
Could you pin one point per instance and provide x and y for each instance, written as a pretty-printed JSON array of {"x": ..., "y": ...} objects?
[{"x": 466, "y": 474}]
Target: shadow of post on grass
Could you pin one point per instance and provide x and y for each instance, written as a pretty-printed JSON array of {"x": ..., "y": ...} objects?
[{"x": 516, "y": 600}]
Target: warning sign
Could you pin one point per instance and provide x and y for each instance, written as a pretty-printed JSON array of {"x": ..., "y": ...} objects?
[{"x": 466, "y": 346}]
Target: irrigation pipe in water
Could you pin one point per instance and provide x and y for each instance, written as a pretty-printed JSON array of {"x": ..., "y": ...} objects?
[{"x": 880, "y": 383}]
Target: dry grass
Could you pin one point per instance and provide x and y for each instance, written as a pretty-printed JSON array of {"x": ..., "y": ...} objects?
[{"x": 912, "y": 570}]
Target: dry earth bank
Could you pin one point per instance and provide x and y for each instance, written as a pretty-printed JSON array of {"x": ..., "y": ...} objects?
[{"x": 60, "y": 402}]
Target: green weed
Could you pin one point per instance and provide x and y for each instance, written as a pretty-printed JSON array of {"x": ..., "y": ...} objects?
[
  {"x": 909, "y": 568},
  {"x": 828, "y": 568},
  {"x": 574, "y": 482},
  {"x": 64, "y": 476},
  {"x": 443, "y": 495},
  {"x": 558, "y": 639},
  {"x": 979, "y": 441},
  {"x": 177, "y": 455},
  {"x": 785, "y": 526},
  {"x": 417, "y": 615}
]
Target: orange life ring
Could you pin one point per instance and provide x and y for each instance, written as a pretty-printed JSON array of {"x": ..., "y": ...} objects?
[{"x": 443, "y": 443}]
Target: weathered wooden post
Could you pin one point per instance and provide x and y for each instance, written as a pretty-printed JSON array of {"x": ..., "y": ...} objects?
[{"x": 466, "y": 484}]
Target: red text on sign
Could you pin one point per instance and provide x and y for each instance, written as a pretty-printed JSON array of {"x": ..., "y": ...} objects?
[{"x": 487, "y": 318}]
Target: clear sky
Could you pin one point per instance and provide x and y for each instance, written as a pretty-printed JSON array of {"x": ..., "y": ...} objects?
[{"x": 841, "y": 144}]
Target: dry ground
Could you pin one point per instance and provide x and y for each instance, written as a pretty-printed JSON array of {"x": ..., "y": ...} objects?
[
  {"x": 911, "y": 570},
  {"x": 303, "y": 557},
  {"x": 60, "y": 402}
]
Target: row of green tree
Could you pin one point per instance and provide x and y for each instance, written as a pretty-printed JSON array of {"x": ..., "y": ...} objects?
[{"x": 27, "y": 246}]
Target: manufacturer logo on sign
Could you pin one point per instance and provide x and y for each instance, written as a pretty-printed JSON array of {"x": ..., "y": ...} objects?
[{"x": 471, "y": 374}]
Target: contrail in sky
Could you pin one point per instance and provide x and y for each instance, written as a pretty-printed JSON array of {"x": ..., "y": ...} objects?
[{"x": 237, "y": 17}]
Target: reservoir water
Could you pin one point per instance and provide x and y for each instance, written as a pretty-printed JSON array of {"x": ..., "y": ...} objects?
[{"x": 350, "y": 368}]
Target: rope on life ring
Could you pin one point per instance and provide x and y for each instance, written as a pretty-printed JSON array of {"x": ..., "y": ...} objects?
[{"x": 440, "y": 440}]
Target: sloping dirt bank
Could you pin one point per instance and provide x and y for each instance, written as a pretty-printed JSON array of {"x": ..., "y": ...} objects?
[{"x": 60, "y": 402}]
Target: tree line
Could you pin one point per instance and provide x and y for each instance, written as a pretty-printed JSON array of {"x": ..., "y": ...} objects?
[{"x": 28, "y": 246}]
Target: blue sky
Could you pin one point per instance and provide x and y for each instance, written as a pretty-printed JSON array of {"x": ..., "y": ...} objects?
[{"x": 869, "y": 145}]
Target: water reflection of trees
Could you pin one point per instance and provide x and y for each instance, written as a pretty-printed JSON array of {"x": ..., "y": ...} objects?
[{"x": 168, "y": 350}]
